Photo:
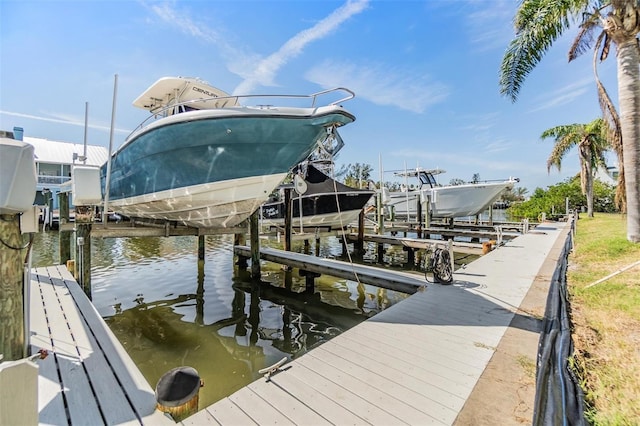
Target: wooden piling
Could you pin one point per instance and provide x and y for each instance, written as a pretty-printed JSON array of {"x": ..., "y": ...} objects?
[
  {"x": 12, "y": 326},
  {"x": 411, "y": 256},
  {"x": 201, "y": 247},
  {"x": 64, "y": 237},
  {"x": 309, "y": 279},
  {"x": 240, "y": 240},
  {"x": 255, "y": 245},
  {"x": 359, "y": 244},
  {"x": 84, "y": 218},
  {"x": 177, "y": 392}
]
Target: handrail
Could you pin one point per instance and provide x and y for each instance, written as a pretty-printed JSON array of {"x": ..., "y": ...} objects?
[{"x": 314, "y": 96}]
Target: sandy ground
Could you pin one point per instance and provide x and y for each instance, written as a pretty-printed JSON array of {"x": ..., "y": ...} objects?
[{"x": 505, "y": 393}]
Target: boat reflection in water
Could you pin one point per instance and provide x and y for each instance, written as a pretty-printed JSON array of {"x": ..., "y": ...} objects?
[{"x": 169, "y": 310}]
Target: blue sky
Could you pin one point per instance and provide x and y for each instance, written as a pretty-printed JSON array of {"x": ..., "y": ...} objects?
[{"x": 425, "y": 74}]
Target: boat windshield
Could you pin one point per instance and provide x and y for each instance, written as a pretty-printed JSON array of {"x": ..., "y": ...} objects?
[{"x": 427, "y": 178}]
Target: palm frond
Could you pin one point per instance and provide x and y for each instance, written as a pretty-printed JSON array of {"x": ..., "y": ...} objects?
[
  {"x": 612, "y": 124},
  {"x": 538, "y": 24}
]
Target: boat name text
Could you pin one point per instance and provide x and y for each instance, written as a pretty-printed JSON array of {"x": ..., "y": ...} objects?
[{"x": 206, "y": 92}]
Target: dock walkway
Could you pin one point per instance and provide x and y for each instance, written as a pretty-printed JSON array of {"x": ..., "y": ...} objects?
[
  {"x": 87, "y": 378},
  {"x": 415, "y": 363},
  {"x": 393, "y": 280}
]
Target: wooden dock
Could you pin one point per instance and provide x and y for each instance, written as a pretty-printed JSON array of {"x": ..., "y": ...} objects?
[
  {"x": 415, "y": 363},
  {"x": 419, "y": 243},
  {"x": 88, "y": 378},
  {"x": 393, "y": 280}
]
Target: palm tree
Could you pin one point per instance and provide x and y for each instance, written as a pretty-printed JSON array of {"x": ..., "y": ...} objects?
[
  {"x": 539, "y": 23},
  {"x": 592, "y": 143}
]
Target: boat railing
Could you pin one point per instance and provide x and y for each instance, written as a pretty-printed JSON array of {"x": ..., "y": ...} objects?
[{"x": 236, "y": 100}]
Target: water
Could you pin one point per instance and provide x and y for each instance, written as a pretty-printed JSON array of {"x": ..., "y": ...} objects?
[{"x": 169, "y": 310}]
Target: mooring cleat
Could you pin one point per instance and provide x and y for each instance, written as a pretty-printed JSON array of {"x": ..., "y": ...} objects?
[{"x": 268, "y": 371}]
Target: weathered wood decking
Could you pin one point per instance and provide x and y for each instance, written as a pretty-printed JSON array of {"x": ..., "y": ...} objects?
[
  {"x": 415, "y": 363},
  {"x": 88, "y": 378}
]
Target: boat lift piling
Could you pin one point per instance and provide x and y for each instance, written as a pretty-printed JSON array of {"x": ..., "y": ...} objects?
[{"x": 83, "y": 222}]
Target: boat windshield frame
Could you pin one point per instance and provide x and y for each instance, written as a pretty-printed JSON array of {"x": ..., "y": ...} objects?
[{"x": 185, "y": 106}]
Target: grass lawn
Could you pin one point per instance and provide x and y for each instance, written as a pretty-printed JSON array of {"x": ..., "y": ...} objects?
[{"x": 606, "y": 319}]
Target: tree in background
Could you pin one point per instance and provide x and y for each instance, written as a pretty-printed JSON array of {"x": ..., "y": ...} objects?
[
  {"x": 356, "y": 175},
  {"x": 554, "y": 199},
  {"x": 512, "y": 195},
  {"x": 591, "y": 140},
  {"x": 539, "y": 23}
]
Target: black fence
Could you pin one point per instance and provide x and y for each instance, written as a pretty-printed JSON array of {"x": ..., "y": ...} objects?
[{"x": 559, "y": 399}]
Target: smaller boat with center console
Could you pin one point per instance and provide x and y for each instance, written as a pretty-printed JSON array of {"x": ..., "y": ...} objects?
[
  {"x": 445, "y": 201},
  {"x": 317, "y": 201}
]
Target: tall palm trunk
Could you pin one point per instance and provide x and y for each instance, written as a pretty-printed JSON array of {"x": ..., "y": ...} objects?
[
  {"x": 586, "y": 175},
  {"x": 628, "y": 57}
]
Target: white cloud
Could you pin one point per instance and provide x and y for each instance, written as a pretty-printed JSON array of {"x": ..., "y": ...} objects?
[
  {"x": 266, "y": 69},
  {"x": 255, "y": 69},
  {"x": 74, "y": 121},
  {"x": 380, "y": 85},
  {"x": 566, "y": 94}
]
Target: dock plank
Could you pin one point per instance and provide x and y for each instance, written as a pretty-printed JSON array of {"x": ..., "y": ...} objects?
[
  {"x": 418, "y": 361},
  {"x": 440, "y": 404},
  {"x": 77, "y": 390},
  {"x": 139, "y": 392},
  {"x": 288, "y": 404},
  {"x": 258, "y": 409},
  {"x": 227, "y": 413},
  {"x": 386, "y": 379},
  {"x": 114, "y": 405},
  {"x": 330, "y": 387},
  {"x": 325, "y": 406},
  {"x": 394, "y": 280},
  {"x": 357, "y": 381},
  {"x": 89, "y": 378},
  {"x": 50, "y": 400}
]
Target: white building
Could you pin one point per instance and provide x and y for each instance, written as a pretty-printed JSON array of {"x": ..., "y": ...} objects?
[{"x": 54, "y": 160}]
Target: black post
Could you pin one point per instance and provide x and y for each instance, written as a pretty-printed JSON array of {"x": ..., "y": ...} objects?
[
  {"x": 419, "y": 216},
  {"x": 288, "y": 207},
  {"x": 359, "y": 245}
]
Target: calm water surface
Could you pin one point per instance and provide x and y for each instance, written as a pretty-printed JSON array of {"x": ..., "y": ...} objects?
[{"x": 169, "y": 310}]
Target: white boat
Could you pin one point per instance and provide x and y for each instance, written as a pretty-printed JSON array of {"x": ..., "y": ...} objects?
[
  {"x": 205, "y": 159},
  {"x": 448, "y": 201}
]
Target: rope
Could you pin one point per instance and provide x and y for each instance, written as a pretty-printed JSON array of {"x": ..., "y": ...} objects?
[
  {"x": 344, "y": 237},
  {"x": 440, "y": 266}
]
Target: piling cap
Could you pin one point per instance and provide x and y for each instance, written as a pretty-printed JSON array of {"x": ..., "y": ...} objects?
[{"x": 177, "y": 387}]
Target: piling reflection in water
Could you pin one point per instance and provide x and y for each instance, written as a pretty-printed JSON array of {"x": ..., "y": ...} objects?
[{"x": 169, "y": 310}]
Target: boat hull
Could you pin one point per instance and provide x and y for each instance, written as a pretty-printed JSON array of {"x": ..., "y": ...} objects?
[
  {"x": 449, "y": 201},
  {"x": 213, "y": 168},
  {"x": 211, "y": 205},
  {"x": 329, "y": 211}
]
